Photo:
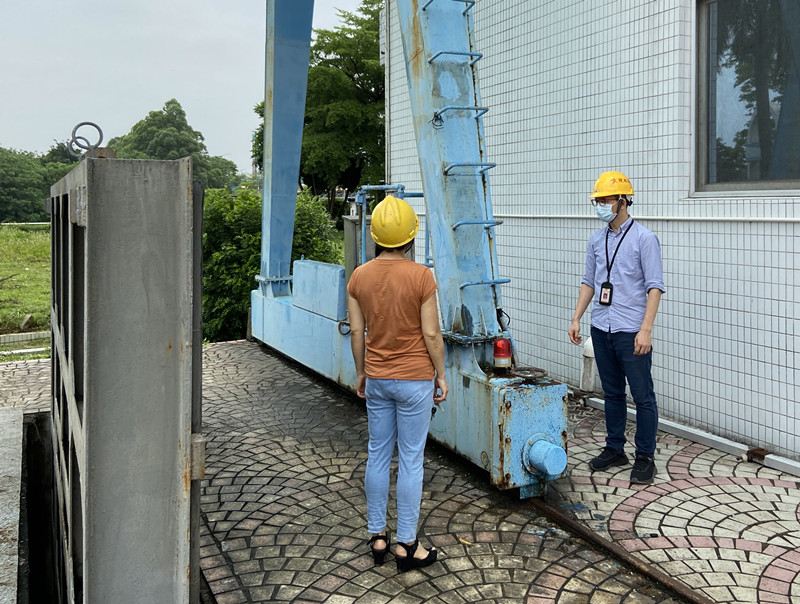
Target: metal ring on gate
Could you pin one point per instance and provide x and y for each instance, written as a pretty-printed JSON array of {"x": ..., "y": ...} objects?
[{"x": 81, "y": 142}]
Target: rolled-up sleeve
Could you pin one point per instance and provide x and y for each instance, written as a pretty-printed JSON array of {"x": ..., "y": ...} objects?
[
  {"x": 652, "y": 267},
  {"x": 590, "y": 268}
]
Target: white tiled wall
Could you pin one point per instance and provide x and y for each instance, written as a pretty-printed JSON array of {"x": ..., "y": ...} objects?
[{"x": 576, "y": 88}]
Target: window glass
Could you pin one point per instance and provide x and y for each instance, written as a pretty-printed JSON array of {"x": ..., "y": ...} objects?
[{"x": 752, "y": 92}]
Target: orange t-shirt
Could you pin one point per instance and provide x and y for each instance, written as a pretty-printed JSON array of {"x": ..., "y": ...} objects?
[{"x": 390, "y": 294}]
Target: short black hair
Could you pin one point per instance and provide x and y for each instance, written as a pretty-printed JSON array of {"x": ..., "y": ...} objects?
[{"x": 379, "y": 249}]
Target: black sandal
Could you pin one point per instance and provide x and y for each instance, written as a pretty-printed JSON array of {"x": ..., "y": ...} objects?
[
  {"x": 408, "y": 562},
  {"x": 379, "y": 554}
]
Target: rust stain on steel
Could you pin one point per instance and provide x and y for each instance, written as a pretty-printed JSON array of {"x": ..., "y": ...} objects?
[
  {"x": 415, "y": 63},
  {"x": 187, "y": 477},
  {"x": 504, "y": 444}
]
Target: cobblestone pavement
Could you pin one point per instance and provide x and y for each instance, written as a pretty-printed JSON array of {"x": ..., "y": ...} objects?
[
  {"x": 729, "y": 529},
  {"x": 283, "y": 507}
]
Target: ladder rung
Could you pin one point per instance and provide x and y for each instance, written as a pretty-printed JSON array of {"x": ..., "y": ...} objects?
[
  {"x": 487, "y": 282},
  {"x": 476, "y": 55},
  {"x": 486, "y": 223},
  {"x": 469, "y": 3},
  {"x": 480, "y": 110},
  {"x": 484, "y": 166}
]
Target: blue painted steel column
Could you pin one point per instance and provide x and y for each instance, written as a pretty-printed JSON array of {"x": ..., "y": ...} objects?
[
  {"x": 448, "y": 123},
  {"x": 495, "y": 419},
  {"x": 287, "y": 53}
]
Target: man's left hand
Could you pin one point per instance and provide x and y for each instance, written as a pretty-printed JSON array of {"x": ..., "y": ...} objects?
[{"x": 643, "y": 343}]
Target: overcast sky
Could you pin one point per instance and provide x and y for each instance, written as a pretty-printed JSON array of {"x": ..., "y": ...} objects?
[{"x": 113, "y": 61}]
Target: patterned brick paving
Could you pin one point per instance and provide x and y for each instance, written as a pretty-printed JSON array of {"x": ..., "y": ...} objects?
[
  {"x": 728, "y": 529},
  {"x": 283, "y": 507}
]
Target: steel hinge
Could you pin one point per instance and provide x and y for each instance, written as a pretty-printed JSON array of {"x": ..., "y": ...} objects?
[
  {"x": 198, "y": 456},
  {"x": 77, "y": 206}
]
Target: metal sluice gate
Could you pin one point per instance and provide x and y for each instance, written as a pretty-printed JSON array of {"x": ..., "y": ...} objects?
[{"x": 126, "y": 380}]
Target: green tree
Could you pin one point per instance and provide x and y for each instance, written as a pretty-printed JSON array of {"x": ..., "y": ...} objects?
[
  {"x": 231, "y": 260},
  {"x": 166, "y": 134},
  {"x": 343, "y": 136},
  {"x": 59, "y": 153},
  {"x": 232, "y": 253},
  {"x": 750, "y": 40},
  {"x": 56, "y": 163},
  {"x": 22, "y": 187},
  {"x": 314, "y": 232}
]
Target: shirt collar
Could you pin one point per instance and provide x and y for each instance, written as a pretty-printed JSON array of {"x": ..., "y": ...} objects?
[{"x": 622, "y": 228}]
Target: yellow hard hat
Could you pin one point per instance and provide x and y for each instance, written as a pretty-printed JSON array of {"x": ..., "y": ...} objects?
[
  {"x": 612, "y": 183},
  {"x": 394, "y": 222}
]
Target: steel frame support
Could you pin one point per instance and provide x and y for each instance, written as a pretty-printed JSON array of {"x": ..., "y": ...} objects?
[
  {"x": 515, "y": 427},
  {"x": 494, "y": 420},
  {"x": 288, "y": 46}
]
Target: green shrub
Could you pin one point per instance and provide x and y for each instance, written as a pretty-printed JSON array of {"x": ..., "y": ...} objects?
[
  {"x": 314, "y": 232},
  {"x": 231, "y": 260},
  {"x": 232, "y": 253}
]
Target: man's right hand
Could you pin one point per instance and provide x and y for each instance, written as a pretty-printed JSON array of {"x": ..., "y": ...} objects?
[{"x": 574, "y": 332}]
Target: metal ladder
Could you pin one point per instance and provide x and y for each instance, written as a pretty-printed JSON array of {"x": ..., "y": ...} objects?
[{"x": 440, "y": 57}]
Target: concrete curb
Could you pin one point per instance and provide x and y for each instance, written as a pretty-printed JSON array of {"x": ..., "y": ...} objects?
[{"x": 10, "y": 485}]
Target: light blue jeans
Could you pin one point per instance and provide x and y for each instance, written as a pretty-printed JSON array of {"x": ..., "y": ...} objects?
[{"x": 398, "y": 411}]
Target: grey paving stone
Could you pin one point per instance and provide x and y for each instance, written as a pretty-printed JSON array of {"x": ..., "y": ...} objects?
[{"x": 283, "y": 506}]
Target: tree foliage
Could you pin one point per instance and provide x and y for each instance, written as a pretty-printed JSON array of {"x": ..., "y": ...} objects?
[
  {"x": 314, "y": 232},
  {"x": 166, "y": 134},
  {"x": 231, "y": 260},
  {"x": 232, "y": 253},
  {"x": 21, "y": 187},
  {"x": 25, "y": 181},
  {"x": 751, "y": 41},
  {"x": 343, "y": 135}
]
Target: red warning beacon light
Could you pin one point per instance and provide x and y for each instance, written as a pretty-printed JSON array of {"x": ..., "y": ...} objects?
[{"x": 502, "y": 352}]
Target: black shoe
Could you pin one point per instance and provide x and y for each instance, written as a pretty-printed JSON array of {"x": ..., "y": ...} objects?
[
  {"x": 378, "y": 554},
  {"x": 608, "y": 457},
  {"x": 644, "y": 470},
  {"x": 408, "y": 561}
]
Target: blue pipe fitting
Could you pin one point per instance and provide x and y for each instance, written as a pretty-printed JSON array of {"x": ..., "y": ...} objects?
[{"x": 541, "y": 455}]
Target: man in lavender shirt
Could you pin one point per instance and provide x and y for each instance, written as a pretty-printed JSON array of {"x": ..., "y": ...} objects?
[{"x": 624, "y": 280}]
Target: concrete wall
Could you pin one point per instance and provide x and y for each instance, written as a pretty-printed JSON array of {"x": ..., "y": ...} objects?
[
  {"x": 10, "y": 485},
  {"x": 578, "y": 88}
]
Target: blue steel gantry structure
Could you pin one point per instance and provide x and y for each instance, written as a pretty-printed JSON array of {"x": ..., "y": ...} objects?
[{"x": 510, "y": 422}]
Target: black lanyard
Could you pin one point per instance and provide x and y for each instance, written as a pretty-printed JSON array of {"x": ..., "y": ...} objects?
[{"x": 614, "y": 257}]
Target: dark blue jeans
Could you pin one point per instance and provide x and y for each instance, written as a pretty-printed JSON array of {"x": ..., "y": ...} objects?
[{"x": 613, "y": 353}]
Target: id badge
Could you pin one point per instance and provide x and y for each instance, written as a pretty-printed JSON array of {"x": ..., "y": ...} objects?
[{"x": 606, "y": 293}]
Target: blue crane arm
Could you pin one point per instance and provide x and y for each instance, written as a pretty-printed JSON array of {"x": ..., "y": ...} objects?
[{"x": 286, "y": 72}]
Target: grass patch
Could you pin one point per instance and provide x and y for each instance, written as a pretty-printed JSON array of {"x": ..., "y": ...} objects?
[{"x": 24, "y": 279}]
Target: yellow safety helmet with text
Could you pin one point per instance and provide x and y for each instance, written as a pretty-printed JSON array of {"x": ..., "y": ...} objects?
[
  {"x": 611, "y": 184},
  {"x": 394, "y": 222}
]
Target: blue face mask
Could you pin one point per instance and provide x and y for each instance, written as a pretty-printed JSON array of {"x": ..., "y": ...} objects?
[{"x": 604, "y": 212}]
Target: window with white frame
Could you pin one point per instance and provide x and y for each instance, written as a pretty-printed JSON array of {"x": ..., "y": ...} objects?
[{"x": 749, "y": 93}]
